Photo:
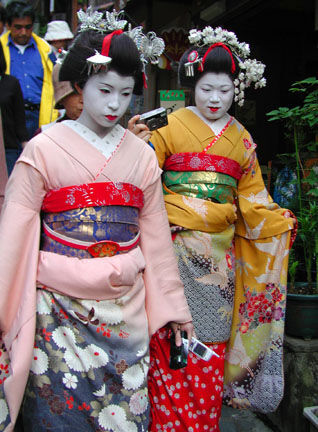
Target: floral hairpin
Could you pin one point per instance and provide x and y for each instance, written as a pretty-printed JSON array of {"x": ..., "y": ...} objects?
[
  {"x": 251, "y": 70},
  {"x": 150, "y": 46}
]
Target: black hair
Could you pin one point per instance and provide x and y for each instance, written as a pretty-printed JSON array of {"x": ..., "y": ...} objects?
[
  {"x": 3, "y": 64},
  {"x": 19, "y": 9},
  {"x": 123, "y": 52},
  {"x": 218, "y": 60},
  {"x": 3, "y": 15}
]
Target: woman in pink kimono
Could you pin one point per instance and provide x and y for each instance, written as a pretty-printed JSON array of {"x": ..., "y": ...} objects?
[{"x": 87, "y": 265}]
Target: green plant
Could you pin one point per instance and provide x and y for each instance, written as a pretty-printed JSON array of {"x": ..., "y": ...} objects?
[{"x": 301, "y": 122}]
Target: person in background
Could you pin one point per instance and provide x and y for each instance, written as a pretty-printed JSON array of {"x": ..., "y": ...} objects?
[
  {"x": 3, "y": 28},
  {"x": 87, "y": 267},
  {"x": 67, "y": 100},
  {"x": 15, "y": 134},
  {"x": 30, "y": 60},
  {"x": 58, "y": 35}
]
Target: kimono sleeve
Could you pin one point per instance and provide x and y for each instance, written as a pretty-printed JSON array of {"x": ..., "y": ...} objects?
[
  {"x": 19, "y": 247},
  {"x": 165, "y": 299},
  {"x": 258, "y": 216},
  {"x": 161, "y": 139},
  {"x": 253, "y": 367}
]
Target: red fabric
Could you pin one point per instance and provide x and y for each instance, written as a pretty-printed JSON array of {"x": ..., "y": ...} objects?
[
  {"x": 186, "y": 398},
  {"x": 293, "y": 236},
  {"x": 92, "y": 194},
  {"x": 195, "y": 161},
  {"x": 107, "y": 41}
]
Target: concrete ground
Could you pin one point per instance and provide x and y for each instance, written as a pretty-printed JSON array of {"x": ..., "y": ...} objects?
[{"x": 233, "y": 420}]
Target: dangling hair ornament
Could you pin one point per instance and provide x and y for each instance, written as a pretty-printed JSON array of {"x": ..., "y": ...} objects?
[
  {"x": 193, "y": 58},
  {"x": 251, "y": 70},
  {"x": 150, "y": 46},
  {"x": 97, "y": 62},
  {"x": 61, "y": 56}
]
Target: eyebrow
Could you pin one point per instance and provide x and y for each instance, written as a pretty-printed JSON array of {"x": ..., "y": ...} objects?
[{"x": 111, "y": 86}]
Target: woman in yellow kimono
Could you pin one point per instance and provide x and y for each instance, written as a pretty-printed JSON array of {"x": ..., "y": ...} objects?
[{"x": 231, "y": 241}]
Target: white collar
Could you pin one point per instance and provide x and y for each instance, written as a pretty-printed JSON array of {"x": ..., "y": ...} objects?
[
  {"x": 105, "y": 145},
  {"x": 216, "y": 125}
]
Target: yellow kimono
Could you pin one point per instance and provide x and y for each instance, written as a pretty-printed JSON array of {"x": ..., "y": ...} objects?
[{"x": 224, "y": 218}]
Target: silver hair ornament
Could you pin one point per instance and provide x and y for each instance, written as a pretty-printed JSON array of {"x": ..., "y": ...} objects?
[
  {"x": 90, "y": 20},
  {"x": 150, "y": 46},
  {"x": 98, "y": 62}
]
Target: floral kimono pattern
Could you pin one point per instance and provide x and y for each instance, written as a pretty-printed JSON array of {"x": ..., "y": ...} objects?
[
  {"x": 200, "y": 214},
  {"x": 90, "y": 359},
  {"x": 76, "y": 314}
]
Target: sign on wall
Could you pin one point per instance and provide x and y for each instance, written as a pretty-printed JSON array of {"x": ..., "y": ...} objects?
[{"x": 172, "y": 99}]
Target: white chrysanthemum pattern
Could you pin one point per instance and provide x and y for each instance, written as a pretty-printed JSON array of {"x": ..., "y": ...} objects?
[
  {"x": 138, "y": 402},
  {"x": 113, "y": 418},
  {"x": 3, "y": 410},
  {"x": 44, "y": 307},
  {"x": 40, "y": 362},
  {"x": 133, "y": 377},
  {"x": 77, "y": 358},
  {"x": 63, "y": 337}
]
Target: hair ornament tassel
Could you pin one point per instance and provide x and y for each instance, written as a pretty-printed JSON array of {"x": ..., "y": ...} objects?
[
  {"x": 61, "y": 56},
  {"x": 144, "y": 77},
  {"x": 251, "y": 71},
  {"x": 193, "y": 58}
]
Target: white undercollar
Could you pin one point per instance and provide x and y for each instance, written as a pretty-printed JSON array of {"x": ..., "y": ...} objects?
[
  {"x": 216, "y": 125},
  {"x": 105, "y": 145}
]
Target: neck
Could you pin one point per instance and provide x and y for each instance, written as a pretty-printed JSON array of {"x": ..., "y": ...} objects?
[
  {"x": 99, "y": 130},
  {"x": 215, "y": 125}
]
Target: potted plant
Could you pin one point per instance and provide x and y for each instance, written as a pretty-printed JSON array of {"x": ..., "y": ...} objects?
[{"x": 301, "y": 123}]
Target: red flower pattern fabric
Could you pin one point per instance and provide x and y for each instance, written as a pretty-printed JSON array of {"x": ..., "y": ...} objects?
[
  {"x": 91, "y": 195},
  {"x": 195, "y": 161}
]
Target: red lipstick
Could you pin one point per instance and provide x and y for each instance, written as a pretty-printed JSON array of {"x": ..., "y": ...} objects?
[{"x": 111, "y": 117}]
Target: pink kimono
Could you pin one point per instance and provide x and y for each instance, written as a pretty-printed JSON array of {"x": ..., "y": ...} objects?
[{"x": 142, "y": 285}]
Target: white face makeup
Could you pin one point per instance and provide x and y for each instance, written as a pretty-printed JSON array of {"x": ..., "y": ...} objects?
[
  {"x": 214, "y": 94},
  {"x": 106, "y": 97}
]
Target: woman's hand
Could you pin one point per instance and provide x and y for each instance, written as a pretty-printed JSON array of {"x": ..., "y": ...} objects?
[
  {"x": 177, "y": 328},
  {"x": 139, "y": 129}
]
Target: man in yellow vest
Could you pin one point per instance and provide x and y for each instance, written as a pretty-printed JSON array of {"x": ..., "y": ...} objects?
[{"x": 30, "y": 59}]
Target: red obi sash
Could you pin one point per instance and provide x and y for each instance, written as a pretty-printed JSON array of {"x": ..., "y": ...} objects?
[
  {"x": 195, "y": 161},
  {"x": 93, "y": 195}
]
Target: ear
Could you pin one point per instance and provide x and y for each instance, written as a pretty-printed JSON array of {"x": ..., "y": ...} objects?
[{"x": 78, "y": 89}]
